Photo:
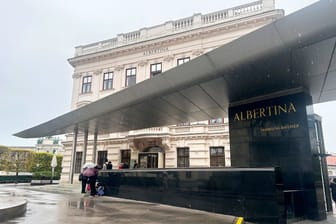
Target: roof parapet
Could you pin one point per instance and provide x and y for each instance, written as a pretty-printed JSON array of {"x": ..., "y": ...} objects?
[{"x": 172, "y": 27}]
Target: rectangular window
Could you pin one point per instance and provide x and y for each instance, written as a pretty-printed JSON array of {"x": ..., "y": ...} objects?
[
  {"x": 183, "y": 157},
  {"x": 102, "y": 156},
  {"x": 181, "y": 61},
  {"x": 217, "y": 157},
  {"x": 108, "y": 80},
  {"x": 216, "y": 121},
  {"x": 130, "y": 76},
  {"x": 78, "y": 163},
  {"x": 86, "y": 84},
  {"x": 155, "y": 69},
  {"x": 125, "y": 156}
]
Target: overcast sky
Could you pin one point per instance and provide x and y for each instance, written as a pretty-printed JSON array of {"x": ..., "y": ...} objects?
[{"x": 37, "y": 37}]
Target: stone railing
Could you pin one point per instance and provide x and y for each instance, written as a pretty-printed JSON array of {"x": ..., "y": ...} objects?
[
  {"x": 173, "y": 27},
  {"x": 183, "y": 23},
  {"x": 149, "y": 131},
  {"x": 218, "y": 128},
  {"x": 96, "y": 47},
  {"x": 254, "y": 7},
  {"x": 132, "y": 36}
]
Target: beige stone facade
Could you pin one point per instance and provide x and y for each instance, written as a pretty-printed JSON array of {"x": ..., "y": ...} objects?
[
  {"x": 49, "y": 145},
  {"x": 106, "y": 67}
]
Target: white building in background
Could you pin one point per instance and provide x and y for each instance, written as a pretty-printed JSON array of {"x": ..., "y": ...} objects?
[
  {"x": 50, "y": 145},
  {"x": 108, "y": 66},
  {"x": 331, "y": 163}
]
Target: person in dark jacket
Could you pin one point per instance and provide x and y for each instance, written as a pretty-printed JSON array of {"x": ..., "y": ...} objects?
[
  {"x": 333, "y": 189},
  {"x": 109, "y": 165}
]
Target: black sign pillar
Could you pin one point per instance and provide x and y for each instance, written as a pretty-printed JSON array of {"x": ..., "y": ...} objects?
[{"x": 279, "y": 132}]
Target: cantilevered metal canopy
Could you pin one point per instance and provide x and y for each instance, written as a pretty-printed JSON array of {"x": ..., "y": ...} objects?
[{"x": 297, "y": 51}]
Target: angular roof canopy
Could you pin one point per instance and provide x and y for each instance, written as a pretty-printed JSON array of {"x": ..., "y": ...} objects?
[{"x": 294, "y": 52}]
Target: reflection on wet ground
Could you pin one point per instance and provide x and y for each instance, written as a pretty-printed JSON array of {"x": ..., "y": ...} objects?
[
  {"x": 73, "y": 207},
  {"x": 54, "y": 208}
]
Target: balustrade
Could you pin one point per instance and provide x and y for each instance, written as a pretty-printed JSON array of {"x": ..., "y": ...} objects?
[
  {"x": 183, "y": 23},
  {"x": 177, "y": 26},
  {"x": 148, "y": 131}
]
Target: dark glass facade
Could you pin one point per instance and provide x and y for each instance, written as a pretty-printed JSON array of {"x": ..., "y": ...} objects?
[
  {"x": 250, "y": 193},
  {"x": 279, "y": 132}
]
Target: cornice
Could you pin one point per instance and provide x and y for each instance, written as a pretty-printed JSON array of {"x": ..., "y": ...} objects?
[
  {"x": 176, "y": 38},
  {"x": 129, "y": 140},
  {"x": 76, "y": 75}
]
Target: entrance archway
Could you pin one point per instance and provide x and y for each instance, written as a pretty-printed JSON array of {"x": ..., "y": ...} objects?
[{"x": 152, "y": 157}]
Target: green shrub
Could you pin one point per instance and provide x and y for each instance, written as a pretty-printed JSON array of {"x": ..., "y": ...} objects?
[{"x": 46, "y": 175}]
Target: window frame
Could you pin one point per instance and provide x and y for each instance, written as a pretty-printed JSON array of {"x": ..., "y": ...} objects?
[
  {"x": 78, "y": 162},
  {"x": 156, "y": 71},
  {"x": 217, "y": 159},
  {"x": 86, "y": 84},
  {"x": 181, "y": 61},
  {"x": 125, "y": 156},
  {"x": 108, "y": 81},
  {"x": 102, "y": 155},
  {"x": 182, "y": 157},
  {"x": 130, "y": 75}
]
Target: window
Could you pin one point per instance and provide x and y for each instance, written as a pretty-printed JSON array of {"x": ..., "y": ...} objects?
[
  {"x": 86, "y": 85},
  {"x": 217, "y": 157},
  {"x": 102, "y": 156},
  {"x": 183, "y": 157},
  {"x": 155, "y": 69},
  {"x": 130, "y": 76},
  {"x": 108, "y": 80},
  {"x": 125, "y": 156},
  {"x": 181, "y": 61},
  {"x": 78, "y": 163},
  {"x": 216, "y": 121}
]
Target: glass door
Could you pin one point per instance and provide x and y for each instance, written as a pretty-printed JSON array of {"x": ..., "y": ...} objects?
[{"x": 148, "y": 160}]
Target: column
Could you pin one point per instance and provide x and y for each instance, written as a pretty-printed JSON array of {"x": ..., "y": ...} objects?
[
  {"x": 86, "y": 133},
  {"x": 94, "y": 147},
  {"x": 73, "y": 156}
]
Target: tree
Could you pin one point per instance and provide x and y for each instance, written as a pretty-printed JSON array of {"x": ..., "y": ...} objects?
[
  {"x": 3, "y": 157},
  {"x": 15, "y": 160},
  {"x": 41, "y": 167}
]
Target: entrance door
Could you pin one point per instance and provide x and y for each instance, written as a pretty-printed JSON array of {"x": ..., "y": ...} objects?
[{"x": 148, "y": 160}]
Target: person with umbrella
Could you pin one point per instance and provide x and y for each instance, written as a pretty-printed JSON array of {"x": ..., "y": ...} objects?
[{"x": 90, "y": 174}]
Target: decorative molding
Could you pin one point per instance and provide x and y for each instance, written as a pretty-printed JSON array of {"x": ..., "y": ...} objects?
[
  {"x": 82, "y": 103},
  {"x": 177, "y": 38},
  {"x": 119, "y": 67},
  {"x": 168, "y": 58},
  {"x": 142, "y": 63},
  {"x": 197, "y": 52},
  {"x": 76, "y": 75},
  {"x": 98, "y": 72}
]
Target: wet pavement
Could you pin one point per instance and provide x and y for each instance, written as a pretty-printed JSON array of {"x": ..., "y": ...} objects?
[
  {"x": 73, "y": 207},
  {"x": 54, "y": 204}
]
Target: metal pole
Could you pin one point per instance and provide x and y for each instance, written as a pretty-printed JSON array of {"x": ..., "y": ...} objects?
[
  {"x": 52, "y": 174},
  {"x": 73, "y": 156}
]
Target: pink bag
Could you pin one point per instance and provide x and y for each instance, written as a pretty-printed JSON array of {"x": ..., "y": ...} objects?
[{"x": 88, "y": 187}]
